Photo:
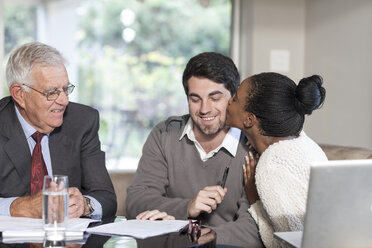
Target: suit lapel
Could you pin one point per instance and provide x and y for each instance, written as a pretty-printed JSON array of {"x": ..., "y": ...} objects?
[
  {"x": 17, "y": 148},
  {"x": 60, "y": 147},
  {"x": 19, "y": 154}
]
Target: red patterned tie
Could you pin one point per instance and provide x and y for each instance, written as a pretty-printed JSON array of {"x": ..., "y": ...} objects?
[{"x": 38, "y": 168}]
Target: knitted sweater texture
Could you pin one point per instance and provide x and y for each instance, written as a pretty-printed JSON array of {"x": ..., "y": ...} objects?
[
  {"x": 282, "y": 177},
  {"x": 170, "y": 174}
]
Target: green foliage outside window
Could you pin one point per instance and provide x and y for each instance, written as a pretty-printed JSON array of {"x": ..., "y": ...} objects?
[
  {"x": 19, "y": 28},
  {"x": 137, "y": 84}
]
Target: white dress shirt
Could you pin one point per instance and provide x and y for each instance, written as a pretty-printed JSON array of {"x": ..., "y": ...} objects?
[{"x": 230, "y": 142}]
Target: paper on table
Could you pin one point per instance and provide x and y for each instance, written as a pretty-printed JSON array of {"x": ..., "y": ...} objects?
[
  {"x": 139, "y": 228},
  {"x": 17, "y": 229}
]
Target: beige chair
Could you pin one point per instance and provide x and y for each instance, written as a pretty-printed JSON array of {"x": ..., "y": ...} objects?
[
  {"x": 121, "y": 180},
  {"x": 335, "y": 152}
]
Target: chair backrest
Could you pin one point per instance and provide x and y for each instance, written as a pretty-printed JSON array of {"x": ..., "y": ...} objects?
[
  {"x": 121, "y": 181},
  {"x": 335, "y": 152}
]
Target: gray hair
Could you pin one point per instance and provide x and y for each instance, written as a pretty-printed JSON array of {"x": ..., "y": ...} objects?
[{"x": 22, "y": 60}]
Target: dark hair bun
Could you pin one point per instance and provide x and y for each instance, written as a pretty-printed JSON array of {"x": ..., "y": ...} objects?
[{"x": 309, "y": 94}]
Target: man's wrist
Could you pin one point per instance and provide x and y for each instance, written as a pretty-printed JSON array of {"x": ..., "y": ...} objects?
[{"x": 88, "y": 206}]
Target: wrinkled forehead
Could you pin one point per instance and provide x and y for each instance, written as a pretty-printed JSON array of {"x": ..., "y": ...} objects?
[{"x": 49, "y": 75}]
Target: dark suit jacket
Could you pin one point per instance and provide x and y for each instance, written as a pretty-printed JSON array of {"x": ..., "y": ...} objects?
[{"x": 75, "y": 151}]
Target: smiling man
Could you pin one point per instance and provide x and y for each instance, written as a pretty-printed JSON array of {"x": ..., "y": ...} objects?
[
  {"x": 184, "y": 159},
  {"x": 42, "y": 133}
]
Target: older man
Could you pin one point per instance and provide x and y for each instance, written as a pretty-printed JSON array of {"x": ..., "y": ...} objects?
[
  {"x": 42, "y": 133},
  {"x": 184, "y": 159}
]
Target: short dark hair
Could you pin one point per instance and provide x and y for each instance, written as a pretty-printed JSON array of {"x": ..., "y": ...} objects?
[
  {"x": 281, "y": 105},
  {"x": 215, "y": 67}
]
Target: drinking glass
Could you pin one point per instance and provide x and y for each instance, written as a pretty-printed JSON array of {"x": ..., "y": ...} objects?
[
  {"x": 54, "y": 244},
  {"x": 55, "y": 206}
]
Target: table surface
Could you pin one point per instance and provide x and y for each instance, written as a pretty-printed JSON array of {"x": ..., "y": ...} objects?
[{"x": 170, "y": 240}]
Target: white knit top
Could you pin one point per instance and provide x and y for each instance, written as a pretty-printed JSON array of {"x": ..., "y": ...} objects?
[{"x": 282, "y": 177}]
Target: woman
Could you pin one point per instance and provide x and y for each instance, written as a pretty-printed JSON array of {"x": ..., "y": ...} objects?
[{"x": 270, "y": 109}]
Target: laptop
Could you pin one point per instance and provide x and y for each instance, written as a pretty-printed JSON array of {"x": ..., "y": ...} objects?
[{"x": 339, "y": 206}]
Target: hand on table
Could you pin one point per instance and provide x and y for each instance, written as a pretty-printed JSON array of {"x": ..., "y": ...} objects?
[
  {"x": 154, "y": 215},
  {"x": 76, "y": 203},
  {"x": 206, "y": 200},
  {"x": 27, "y": 206},
  {"x": 249, "y": 172}
]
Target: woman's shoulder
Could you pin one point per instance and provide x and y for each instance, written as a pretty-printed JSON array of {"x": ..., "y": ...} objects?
[
  {"x": 298, "y": 149},
  {"x": 312, "y": 149}
]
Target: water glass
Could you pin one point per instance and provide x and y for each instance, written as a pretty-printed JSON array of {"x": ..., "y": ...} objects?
[
  {"x": 54, "y": 244},
  {"x": 55, "y": 206}
]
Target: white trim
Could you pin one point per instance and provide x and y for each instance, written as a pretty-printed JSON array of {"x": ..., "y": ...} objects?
[
  {"x": 242, "y": 27},
  {"x": 235, "y": 32}
]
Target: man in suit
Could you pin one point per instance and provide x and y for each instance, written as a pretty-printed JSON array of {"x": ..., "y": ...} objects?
[{"x": 39, "y": 88}]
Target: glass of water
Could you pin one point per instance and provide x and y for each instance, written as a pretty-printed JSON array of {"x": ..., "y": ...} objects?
[{"x": 55, "y": 206}]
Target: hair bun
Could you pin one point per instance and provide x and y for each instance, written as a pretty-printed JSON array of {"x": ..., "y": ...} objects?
[{"x": 309, "y": 94}]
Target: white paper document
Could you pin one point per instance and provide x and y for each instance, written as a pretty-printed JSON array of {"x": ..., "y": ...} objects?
[
  {"x": 18, "y": 229},
  {"x": 140, "y": 228}
]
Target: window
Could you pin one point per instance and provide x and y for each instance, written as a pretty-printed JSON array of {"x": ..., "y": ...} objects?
[
  {"x": 128, "y": 58},
  {"x": 19, "y": 28}
]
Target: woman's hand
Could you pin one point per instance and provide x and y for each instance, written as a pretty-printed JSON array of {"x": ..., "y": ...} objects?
[
  {"x": 207, "y": 235},
  {"x": 154, "y": 215},
  {"x": 249, "y": 172}
]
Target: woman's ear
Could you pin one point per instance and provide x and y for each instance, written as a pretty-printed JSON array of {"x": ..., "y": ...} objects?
[
  {"x": 250, "y": 120},
  {"x": 17, "y": 93}
]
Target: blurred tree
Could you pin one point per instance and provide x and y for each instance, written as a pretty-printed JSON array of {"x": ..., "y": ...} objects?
[
  {"x": 19, "y": 25},
  {"x": 134, "y": 82},
  {"x": 173, "y": 28},
  {"x": 137, "y": 84},
  {"x": 19, "y": 28}
]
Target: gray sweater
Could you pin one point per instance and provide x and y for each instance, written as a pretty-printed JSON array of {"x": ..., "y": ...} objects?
[{"x": 170, "y": 174}]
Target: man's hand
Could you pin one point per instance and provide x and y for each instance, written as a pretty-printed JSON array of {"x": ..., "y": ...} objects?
[
  {"x": 206, "y": 200},
  {"x": 76, "y": 203},
  {"x": 154, "y": 215},
  {"x": 27, "y": 206}
]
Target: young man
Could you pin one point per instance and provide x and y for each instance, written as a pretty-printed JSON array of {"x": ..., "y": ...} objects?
[
  {"x": 184, "y": 159},
  {"x": 68, "y": 142}
]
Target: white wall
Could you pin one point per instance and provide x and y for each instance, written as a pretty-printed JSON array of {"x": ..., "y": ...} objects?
[
  {"x": 268, "y": 25},
  {"x": 279, "y": 25},
  {"x": 332, "y": 38},
  {"x": 339, "y": 47}
]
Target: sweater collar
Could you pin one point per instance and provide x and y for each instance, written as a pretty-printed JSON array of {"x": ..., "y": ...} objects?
[{"x": 230, "y": 142}]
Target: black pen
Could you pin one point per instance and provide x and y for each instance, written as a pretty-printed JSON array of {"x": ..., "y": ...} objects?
[{"x": 224, "y": 177}]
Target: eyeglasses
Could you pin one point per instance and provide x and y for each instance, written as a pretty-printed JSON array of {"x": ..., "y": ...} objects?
[{"x": 54, "y": 94}]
